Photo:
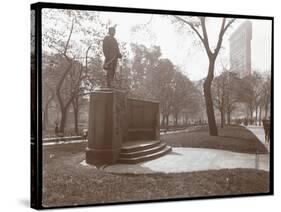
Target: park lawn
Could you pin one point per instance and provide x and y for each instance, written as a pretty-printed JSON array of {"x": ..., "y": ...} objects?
[
  {"x": 231, "y": 138},
  {"x": 52, "y": 152},
  {"x": 67, "y": 182}
]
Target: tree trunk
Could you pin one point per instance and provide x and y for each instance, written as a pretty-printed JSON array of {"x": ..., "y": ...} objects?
[
  {"x": 176, "y": 120},
  {"x": 209, "y": 101},
  {"x": 251, "y": 112},
  {"x": 260, "y": 115},
  {"x": 222, "y": 118},
  {"x": 63, "y": 120},
  {"x": 46, "y": 117},
  {"x": 63, "y": 106},
  {"x": 256, "y": 115},
  {"x": 75, "y": 106},
  {"x": 265, "y": 111},
  {"x": 167, "y": 120},
  {"x": 46, "y": 114},
  {"x": 75, "y": 113},
  {"x": 163, "y": 120},
  {"x": 228, "y": 117}
]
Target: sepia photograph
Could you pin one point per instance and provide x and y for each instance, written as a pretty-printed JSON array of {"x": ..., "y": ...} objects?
[{"x": 140, "y": 105}]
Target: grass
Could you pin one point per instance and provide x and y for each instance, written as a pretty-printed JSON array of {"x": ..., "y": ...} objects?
[
  {"x": 51, "y": 153},
  {"x": 72, "y": 184},
  {"x": 231, "y": 138},
  {"x": 66, "y": 182}
]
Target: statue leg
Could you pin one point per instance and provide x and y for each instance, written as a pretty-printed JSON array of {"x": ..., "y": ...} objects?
[
  {"x": 114, "y": 65},
  {"x": 110, "y": 73},
  {"x": 109, "y": 77}
]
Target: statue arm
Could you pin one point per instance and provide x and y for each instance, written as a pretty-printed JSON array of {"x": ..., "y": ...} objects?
[
  {"x": 119, "y": 55},
  {"x": 105, "y": 47}
]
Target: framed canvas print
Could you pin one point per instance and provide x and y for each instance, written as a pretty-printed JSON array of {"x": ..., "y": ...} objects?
[{"x": 139, "y": 105}]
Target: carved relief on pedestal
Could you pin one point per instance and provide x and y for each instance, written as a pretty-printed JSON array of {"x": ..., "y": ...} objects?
[{"x": 120, "y": 116}]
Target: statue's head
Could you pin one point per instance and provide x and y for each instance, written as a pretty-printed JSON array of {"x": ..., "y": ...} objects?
[{"x": 112, "y": 30}]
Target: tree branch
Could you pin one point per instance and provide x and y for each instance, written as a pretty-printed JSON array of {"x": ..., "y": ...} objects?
[
  {"x": 223, "y": 29},
  {"x": 59, "y": 85},
  {"x": 68, "y": 40},
  {"x": 228, "y": 24},
  {"x": 205, "y": 36},
  {"x": 218, "y": 46},
  {"x": 86, "y": 59},
  {"x": 191, "y": 26}
]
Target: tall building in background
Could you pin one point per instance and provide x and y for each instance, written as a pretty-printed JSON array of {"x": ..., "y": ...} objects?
[{"x": 240, "y": 49}]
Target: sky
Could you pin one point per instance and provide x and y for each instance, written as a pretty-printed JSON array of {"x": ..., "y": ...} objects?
[{"x": 181, "y": 46}]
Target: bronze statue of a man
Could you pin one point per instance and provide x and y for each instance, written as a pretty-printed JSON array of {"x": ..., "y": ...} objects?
[{"x": 112, "y": 53}]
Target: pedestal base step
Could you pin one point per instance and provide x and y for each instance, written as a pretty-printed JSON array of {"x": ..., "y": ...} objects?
[{"x": 140, "y": 151}]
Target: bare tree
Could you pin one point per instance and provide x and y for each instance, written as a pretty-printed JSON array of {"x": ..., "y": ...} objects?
[
  {"x": 226, "y": 91},
  {"x": 48, "y": 97},
  {"x": 219, "y": 91},
  {"x": 163, "y": 84},
  {"x": 143, "y": 70},
  {"x": 250, "y": 93},
  {"x": 72, "y": 73},
  {"x": 199, "y": 28},
  {"x": 184, "y": 97},
  {"x": 266, "y": 96}
]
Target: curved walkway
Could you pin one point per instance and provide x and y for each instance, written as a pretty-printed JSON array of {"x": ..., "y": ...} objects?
[
  {"x": 259, "y": 133},
  {"x": 194, "y": 159}
]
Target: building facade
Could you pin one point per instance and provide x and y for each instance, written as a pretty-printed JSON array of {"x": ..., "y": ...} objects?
[{"x": 240, "y": 49}]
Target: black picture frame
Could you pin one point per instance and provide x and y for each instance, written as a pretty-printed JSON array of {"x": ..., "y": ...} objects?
[{"x": 36, "y": 98}]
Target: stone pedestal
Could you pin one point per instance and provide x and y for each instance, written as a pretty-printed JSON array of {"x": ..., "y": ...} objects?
[{"x": 107, "y": 115}]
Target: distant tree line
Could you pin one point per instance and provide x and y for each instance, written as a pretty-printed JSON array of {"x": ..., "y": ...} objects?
[
  {"x": 230, "y": 91},
  {"x": 157, "y": 78},
  {"x": 68, "y": 62},
  {"x": 72, "y": 68}
]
